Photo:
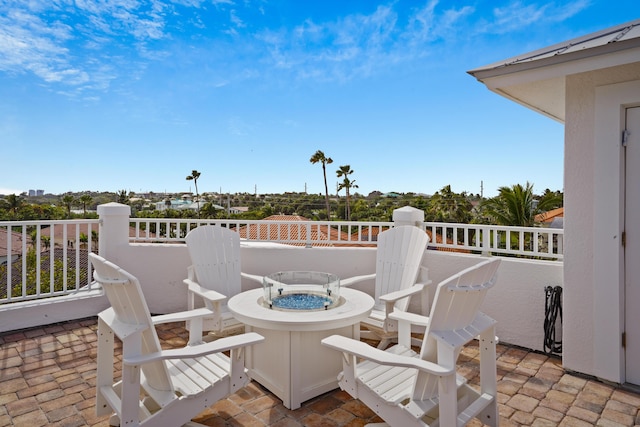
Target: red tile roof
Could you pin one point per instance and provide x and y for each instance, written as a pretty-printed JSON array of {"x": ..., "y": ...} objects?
[
  {"x": 547, "y": 217},
  {"x": 289, "y": 231},
  {"x": 16, "y": 242}
]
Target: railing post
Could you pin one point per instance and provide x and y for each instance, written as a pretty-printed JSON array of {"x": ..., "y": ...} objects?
[
  {"x": 486, "y": 241},
  {"x": 408, "y": 215},
  {"x": 114, "y": 229},
  {"x": 308, "y": 226}
]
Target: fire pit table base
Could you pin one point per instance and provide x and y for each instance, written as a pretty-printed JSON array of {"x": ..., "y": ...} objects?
[
  {"x": 291, "y": 362},
  {"x": 307, "y": 370}
]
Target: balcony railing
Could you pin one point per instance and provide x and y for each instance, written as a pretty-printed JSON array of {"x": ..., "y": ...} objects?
[
  {"x": 302, "y": 233},
  {"x": 530, "y": 242},
  {"x": 43, "y": 259},
  {"x": 50, "y": 258},
  {"x": 525, "y": 242}
]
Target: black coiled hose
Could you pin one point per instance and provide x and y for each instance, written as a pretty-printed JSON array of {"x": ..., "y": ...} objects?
[{"x": 552, "y": 309}]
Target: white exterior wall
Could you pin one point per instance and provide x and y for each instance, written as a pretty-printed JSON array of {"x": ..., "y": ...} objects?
[
  {"x": 516, "y": 302},
  {"x": 593, "y": 297}
]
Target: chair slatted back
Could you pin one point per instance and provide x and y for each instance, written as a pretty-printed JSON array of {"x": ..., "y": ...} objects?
[
  {"x": 455, "y": 313},
  {"x": 131, "y": 312},
  {"x": 398, "y": 259},
  {"x": 215, "y": 257}
]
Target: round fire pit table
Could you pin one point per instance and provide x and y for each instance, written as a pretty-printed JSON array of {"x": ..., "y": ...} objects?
[{"x": 291, "y": 362}]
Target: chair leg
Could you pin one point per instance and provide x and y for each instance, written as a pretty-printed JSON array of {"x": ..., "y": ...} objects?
[
  {"x": 488, "y": 376},
  {"x": 384, "y": 343}
]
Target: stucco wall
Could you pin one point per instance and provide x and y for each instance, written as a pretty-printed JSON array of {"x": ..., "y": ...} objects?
[
  {"x": 516, "y": 301},
  {"x": 592, "y": 286}
]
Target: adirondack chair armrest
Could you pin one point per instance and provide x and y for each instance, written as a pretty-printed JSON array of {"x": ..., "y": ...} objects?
[
  {"x": 356, "y": 279},
  {"x": 181, "y": 316},
  {"x": 217, "y": 346},
  {"x": 412, "y": 318},
  {"x": 392, "y": 297},
  {"x": 253, "y": 277},
  {"x": 365, "y": 351},
  {"x": 203, "y": 292}
]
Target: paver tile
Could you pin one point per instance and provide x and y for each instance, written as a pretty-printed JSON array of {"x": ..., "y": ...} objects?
[{"x": 48, "y": 378}]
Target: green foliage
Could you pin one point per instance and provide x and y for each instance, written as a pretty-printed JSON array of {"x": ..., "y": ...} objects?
[
  {"x": 194, "y": 176},
  {"x": 319, "y": 157},
  {"x": 518, "y": 206},
  {"x": 444, "y": 206},
  {"x": 448, "y": 206},
  {"x": 346, "y": 184}
]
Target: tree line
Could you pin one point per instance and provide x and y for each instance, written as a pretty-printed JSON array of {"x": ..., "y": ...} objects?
[{"x": 515, "y": 205}]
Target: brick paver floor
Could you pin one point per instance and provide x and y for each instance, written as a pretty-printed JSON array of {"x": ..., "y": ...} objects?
[{"x": 47, "y": 377}]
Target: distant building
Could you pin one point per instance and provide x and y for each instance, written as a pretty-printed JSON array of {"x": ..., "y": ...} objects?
[
  {"x": 180, "y": 204},
  {"x": 36, "y": 193}
]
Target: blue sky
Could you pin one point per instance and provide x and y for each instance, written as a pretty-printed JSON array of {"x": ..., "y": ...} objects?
[{"x": 133, "y": 94}]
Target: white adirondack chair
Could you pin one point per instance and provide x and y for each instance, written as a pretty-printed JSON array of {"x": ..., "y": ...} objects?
[
  {"x": 406, "y": 388},
  {"x": 215, "y": 275},
  {"x": 158, "y": 387},
  {"x": 398, "y": 259}
]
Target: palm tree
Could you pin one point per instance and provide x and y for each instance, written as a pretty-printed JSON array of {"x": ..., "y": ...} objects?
[
  {"x": 448, "y": 206},
  {"x": 518, "y": 206},
  {"x": 123, "y": 197},
  {"x": 209, "y": 210},
  {"x": 320, "y": 157},
  {"x": 13, "y": 202},
  {"x": 347, "y": 184},
  {"x": 194, "y": 176},
  {"x": 68, "y": 200},
  {"x": 85, "y": 199}
]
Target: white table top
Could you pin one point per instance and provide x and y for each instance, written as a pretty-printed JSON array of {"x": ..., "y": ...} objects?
[{"x": 247, "y": 309}]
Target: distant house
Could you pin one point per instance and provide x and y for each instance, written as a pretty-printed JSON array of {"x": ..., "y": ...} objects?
[
  {"x": 552, "y": 219},
  {"x": 238, "y": 209},
  {"x": 6, "y": 238},
  {"x": 185, "y": 202},
  {"x": 319, "y": 233}
]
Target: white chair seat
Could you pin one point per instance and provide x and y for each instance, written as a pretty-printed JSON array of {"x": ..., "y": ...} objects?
[
  {"x": 159, "y": 387},
  {"x": 406, "y": 388}
]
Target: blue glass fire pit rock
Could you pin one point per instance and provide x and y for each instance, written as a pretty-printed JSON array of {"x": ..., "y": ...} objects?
[{"x": 301, "y": 302}]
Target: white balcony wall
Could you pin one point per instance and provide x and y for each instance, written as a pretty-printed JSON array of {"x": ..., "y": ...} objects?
[{"x": 517, "y": 301}]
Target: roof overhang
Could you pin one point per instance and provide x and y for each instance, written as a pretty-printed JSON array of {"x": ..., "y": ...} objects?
[{"x": 537, "y": 79}]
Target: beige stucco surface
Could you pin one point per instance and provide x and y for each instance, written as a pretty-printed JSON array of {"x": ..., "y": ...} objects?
[{"x": 592, "y": 286}]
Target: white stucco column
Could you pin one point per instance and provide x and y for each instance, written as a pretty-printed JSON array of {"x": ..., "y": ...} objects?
[
  {"x": 408, "y": 215},
  {"x": 114, "y": 229}
]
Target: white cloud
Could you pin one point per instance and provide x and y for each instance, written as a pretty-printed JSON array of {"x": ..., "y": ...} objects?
[
  {"x": 52, "y": 39},
  {"x": 8, "y": 191},
  {"x": 82, "y": 46},
  {"x": 519, "y": 15}
]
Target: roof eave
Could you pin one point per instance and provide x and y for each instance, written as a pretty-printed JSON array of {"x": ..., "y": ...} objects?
[
  {"x": 505, "y": 68},
  {"x": 550, "y": 72}
]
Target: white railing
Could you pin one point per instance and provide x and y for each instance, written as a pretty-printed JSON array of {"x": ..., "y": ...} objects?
[
  {"x": 42, "y": 259},
  {"x": 62, "y": 251},
  {"x": 530, "y": 242},
  {"x": 303, "y": 233}
]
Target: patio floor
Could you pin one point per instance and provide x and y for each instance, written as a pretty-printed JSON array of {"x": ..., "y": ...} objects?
[{"x": 47, "y": 377}]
